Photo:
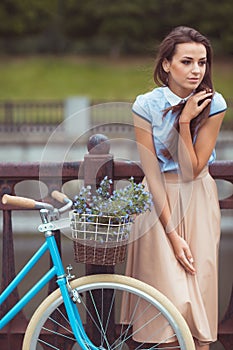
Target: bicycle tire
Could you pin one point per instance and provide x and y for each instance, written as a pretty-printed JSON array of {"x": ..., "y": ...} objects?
[{"x": 37, "y": 333}]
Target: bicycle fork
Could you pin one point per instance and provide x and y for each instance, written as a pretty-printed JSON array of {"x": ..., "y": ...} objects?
[{"x": 70, "y": 296}]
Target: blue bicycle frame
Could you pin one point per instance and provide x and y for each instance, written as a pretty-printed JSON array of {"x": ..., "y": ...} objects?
[{"x": 57, "y": 270}]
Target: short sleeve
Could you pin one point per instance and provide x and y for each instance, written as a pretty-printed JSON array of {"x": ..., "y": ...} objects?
[
  {"x": 141, "y": 107},
  {"x": 218, "y": 104}
]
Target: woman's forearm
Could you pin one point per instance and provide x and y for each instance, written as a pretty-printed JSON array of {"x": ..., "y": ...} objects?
[
  {"x": 194, "y": 157},
  {"x": 151, "y": 168},
  {"x": 156, "y": 186},
  {"x": 187, "y": 157}
]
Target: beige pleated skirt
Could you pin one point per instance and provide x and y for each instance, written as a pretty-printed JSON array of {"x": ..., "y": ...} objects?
[{"x": 196, "y": 215}]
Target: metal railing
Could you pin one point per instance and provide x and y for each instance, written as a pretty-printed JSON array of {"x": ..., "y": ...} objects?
[
  {"x": 39, "y": 116},
  {"x": 92, "y": 169},
  {"x": 30, "y": 115}
]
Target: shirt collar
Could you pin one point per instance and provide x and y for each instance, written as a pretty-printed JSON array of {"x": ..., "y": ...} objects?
[{"x": 172, "y": 98}]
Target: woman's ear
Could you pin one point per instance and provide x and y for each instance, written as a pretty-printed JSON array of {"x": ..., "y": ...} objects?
[{"x": 166, "y": 65}]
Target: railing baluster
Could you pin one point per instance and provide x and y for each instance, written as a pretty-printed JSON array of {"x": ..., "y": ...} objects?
[
  {"x": 19, "y": 324},
  {"x": 98, "y": 163}
]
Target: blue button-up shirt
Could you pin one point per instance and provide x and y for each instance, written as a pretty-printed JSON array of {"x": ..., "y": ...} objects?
[{"x": 151, "y": 106}]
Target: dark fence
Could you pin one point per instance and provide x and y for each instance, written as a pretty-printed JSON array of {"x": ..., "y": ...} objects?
[
  {"x": 93, "y": 168},
  {"x": 39, "y": 116},
  {"x": 43, "y": 117},
  {"x": 30, "y": 115}
]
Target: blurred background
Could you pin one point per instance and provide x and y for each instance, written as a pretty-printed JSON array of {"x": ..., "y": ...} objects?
[
  {"x": 71, "y": 67},
  {"x": 104, "y": 27},
  {"x": 61, "y": 56},
  {"x": 102, "y": 49}
]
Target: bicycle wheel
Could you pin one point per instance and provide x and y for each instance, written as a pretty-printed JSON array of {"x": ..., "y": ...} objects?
[{"x": 101, "y": 314}]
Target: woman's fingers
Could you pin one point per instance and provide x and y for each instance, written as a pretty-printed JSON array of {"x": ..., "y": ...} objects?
[
  {"x": 196, "y": 103},
  {"x": 188, "y": 255},
  {"x": 182, "y": 252},
  {"x": 186, "y": 261}
]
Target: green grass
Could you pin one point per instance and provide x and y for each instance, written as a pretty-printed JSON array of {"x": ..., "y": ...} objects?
[
  {"x": 57, "y": 78},
  {"x": 38, "y": 78},
  {"x": 223, "y": 82}
]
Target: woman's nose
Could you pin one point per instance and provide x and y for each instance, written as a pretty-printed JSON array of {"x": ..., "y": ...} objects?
[{"x": 196, "y": 68}]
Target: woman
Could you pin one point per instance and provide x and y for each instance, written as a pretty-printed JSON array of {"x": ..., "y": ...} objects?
[{"x": 176, "y": 127}]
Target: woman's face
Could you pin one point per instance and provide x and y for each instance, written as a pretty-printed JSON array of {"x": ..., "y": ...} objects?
[{"x": 186, "y": 69}]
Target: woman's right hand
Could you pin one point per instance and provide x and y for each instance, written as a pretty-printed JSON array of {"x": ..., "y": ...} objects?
[
  {"x": 195, "y": 105},
  {"x": 182, "y": 252}
]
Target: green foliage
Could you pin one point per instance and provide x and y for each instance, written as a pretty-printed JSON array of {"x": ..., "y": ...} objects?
[
  {"x": 103, "y": 26},
  {"x": 107, "y": 217},
  {"x": 130, "y": 200},
  {"x": 18, "y": 18}
]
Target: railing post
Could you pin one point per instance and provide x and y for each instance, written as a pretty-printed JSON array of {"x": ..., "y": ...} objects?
[
  {"x": 78, "y": 108},
  {"x": 8, "y": 106},
  {"x": 13, "y": 333},
  {"x": 98, "y": 163},
  {"x": 225, "y": 330}
]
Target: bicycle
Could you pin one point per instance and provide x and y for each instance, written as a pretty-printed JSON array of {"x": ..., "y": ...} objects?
[{"x": 83, "y": 313}]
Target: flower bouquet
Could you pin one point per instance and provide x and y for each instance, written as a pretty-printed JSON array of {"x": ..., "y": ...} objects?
[{"x": 101, "y": 223}]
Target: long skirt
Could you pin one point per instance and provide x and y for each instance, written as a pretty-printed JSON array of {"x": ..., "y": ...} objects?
[{"x": 195, "y": 213}]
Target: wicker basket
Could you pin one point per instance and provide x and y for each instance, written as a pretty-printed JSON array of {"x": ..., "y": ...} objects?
[{"x": 99, "y": 240}]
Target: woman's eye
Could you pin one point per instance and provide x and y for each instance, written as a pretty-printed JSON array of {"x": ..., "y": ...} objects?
[
  {"x": 186, "y": 62},
  {"x": 202, "y": 63}
]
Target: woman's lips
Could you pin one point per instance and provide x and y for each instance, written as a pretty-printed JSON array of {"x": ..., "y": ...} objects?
[{"x": 193, "y": 80}]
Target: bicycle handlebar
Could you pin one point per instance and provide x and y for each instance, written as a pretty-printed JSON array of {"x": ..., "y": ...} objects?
[
  {"x": 60, "y": 197},
  {"x": 23, "y": 202},
  {"x": 28, "y": 203}
]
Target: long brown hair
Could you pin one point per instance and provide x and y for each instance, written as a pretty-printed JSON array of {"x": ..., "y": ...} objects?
[{"x": 167, "y": 49}]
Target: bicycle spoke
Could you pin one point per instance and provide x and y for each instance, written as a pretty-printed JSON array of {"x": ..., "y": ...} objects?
[
  {"x": 103, "y": 333},
  {"x": 60, "y": 325},
  {"x": 58, "y": 334},
  {"x": 110, "y": 310},
  {"x": 63, "y": 315},
  {"x": 47, "y": 344},
  {"x": 103, "y": 310}
]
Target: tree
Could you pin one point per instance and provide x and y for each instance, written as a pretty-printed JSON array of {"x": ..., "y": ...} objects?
[{"x": 119, "y": 26}]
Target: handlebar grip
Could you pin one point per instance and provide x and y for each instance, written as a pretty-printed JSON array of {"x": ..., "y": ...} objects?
[
  {"x": 22, "y": 202},
  {"x": 60, "y": 197}
]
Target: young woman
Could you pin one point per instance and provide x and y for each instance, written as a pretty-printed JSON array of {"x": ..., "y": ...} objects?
[{"x": 175, "y": 247}]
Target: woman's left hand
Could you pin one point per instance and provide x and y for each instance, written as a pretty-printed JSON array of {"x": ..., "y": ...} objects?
[{"x": 182, "y": 252}]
